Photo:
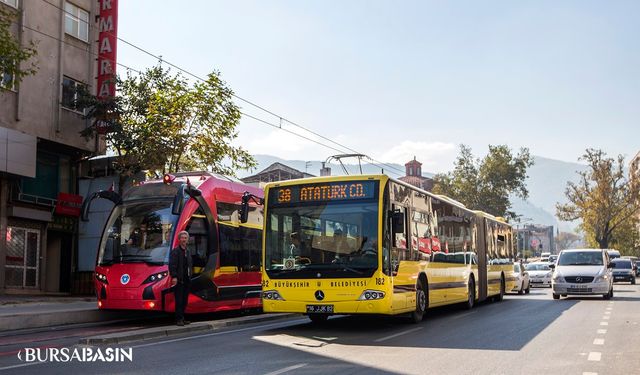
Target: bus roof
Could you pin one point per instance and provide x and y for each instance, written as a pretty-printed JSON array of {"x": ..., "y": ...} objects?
[{"x": 380, "y": 177}]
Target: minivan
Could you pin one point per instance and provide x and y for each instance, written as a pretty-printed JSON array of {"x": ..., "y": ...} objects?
[{"x": 582, "y": 272}]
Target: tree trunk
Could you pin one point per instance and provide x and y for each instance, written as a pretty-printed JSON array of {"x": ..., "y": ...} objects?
[{"x": 604, "y": 242}]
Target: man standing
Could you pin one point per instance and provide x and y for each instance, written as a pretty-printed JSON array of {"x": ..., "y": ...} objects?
[{"x": 180, "y": 270}]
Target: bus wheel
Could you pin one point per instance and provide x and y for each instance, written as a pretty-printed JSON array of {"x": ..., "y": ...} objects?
[
  {"x": 318, "y": 318},
  {"x": 471, "y": 295},
  {"x": 421, "y": 303},
  {"x": 500, "y": 296}
]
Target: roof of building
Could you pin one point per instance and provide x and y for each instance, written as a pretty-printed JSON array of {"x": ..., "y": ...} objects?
[{"x": 275, "y": 172}]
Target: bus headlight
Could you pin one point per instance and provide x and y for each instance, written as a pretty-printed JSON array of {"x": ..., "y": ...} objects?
[
  {"x": 272, "y": 295},
  {"x": 369, "y": 295},
  {"x": 102, "y": 278},
  {"x": 156, "y": 277}
]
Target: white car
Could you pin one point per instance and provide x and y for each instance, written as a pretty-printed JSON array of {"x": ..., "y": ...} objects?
[
  {"x": 522, "y": 279},
  {"x": 539, "y": 273},
  {"x": 582, "y": 272}
]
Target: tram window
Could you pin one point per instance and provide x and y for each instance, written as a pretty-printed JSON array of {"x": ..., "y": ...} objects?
[
  {"x": 198, "y": 242},
  {"x": 240, "y": 247}
]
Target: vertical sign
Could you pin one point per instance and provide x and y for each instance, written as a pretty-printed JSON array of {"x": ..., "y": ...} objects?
[{"x": 107, "y": 43}]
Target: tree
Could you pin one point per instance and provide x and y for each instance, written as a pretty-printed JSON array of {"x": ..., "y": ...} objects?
[
  {"x": 162, "y": 124},
  {"x": 566, "y": 240},
  {"x": 12, "y": 54},
  {"x": 603, "y": 199},
  {"x": 487, "y": 184}
]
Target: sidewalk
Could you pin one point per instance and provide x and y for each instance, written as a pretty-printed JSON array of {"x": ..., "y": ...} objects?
[{"x": 21, "y": 312}]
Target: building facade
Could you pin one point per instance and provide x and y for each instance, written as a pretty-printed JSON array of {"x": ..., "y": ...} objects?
[
  {"x": 41, "y": 147},
  {"x": 413, "y": 171}
]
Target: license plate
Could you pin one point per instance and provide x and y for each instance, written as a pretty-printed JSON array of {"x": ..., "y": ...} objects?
[
  {"x": 580, "y": 286},
  {"x": 319, "y": 309}
]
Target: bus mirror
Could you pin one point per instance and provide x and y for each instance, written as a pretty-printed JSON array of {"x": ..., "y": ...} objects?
[
  {"x": 244, "y": 212},
  {"x": 397, "y": 221},
  {"x": 178, "y": 201},
  {"x": 244, "y": 207}
]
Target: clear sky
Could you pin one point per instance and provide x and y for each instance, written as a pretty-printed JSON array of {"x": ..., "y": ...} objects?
[{"x": 394, "y": 79}]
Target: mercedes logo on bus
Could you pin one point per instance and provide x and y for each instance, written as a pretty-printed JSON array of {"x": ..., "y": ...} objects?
[{"x": 319, "y": 295}]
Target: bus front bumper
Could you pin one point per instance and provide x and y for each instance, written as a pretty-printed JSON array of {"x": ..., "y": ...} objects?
[{"x": 339, "y": 307}]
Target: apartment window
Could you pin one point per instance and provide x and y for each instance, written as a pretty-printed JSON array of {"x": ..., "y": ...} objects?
[
  {"x": 6, "y": 80},
  {"x": 70, "y": 92},
  {"x": 13, "y": 3},
  {"x": 76, "y": 22}
]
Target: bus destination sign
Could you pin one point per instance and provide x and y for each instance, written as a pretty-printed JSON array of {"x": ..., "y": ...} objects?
[{"x": 328, "y": 192}]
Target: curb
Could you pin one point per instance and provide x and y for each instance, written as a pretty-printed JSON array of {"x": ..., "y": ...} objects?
[
  {"x": 64, "y": 317},
  {"x": 168, "y": 331}
]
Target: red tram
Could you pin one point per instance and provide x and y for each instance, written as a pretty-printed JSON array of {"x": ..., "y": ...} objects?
[{"x": 132, "y": 264}]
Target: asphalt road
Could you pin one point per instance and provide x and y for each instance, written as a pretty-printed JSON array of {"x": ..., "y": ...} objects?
[{"x": 529, "y": 334}]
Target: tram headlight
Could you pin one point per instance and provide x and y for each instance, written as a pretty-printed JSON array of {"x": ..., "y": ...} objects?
[
  {"x": 102, "y": 278},
  {"x": 369, "y": 295},
  {"x": 156, "y": 277},
  {"x": 272, "y": 295}
]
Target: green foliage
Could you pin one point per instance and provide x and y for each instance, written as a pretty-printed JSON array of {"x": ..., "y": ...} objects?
[
  {"x": 486, "y": 184},
  {"x": 604, "y": 200},
  {"x": 12, "y": 54},
  {"x": 160, "y": 123}
]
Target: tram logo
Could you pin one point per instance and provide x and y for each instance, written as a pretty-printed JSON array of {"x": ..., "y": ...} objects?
[
  {"x": 319, "y": 295},
  {"x": 125, "y": 278}
]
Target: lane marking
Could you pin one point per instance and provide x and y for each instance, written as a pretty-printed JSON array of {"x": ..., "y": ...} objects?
[
  {"x": 598, "y": 342},
  {"x": 22, "y": 365},
  {"x": 589, "y": 373},
  {"x": 286, "y": 369},
  {"x": 604, "y": 323},
  {"x": 602, "y": 331},
  {"x": 607, "y": 312},
  {"x": 606, "y": 317},
  {"x": 397, "y": 334},
  {"x": 609, "y": 308},
  {"x": 594, "y": 356},
  {"x": 463, "y": 315}
]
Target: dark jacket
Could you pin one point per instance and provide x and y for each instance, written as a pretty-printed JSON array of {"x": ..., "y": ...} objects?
[{"x": 180, "y": 264}]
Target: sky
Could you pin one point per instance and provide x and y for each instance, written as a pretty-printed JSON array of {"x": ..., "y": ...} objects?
[{"x": 398, "y": 79}]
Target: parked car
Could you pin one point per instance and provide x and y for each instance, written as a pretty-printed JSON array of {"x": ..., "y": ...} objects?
[
  {"x": 634, "y": 263},
  {"x": 623, "y": 270},
  {"x": 539, "y": 273},
  {"x": 523, "y": 285},
  {"x": 582, "y": 272},
  {"x": 638, "y": 268},
  {"x": 544, "y": 257},
  {"x": 553, "y": 258}
]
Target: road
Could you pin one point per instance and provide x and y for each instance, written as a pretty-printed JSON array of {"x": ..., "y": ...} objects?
[{"x": 529, "y": 334}]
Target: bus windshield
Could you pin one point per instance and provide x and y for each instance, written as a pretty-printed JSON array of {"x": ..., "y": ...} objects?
[
  {"x": 322, "y": 240},
  {"x": 138, "y": 232}
]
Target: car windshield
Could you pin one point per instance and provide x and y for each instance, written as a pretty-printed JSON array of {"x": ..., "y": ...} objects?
[
  {"x": 580, "y": 258},
  {"x": 537, "y": 267},
  {"x": 622, "y": 264},
  {"x": 337, "y": 239},
  {"x": 138, "y": 232}
]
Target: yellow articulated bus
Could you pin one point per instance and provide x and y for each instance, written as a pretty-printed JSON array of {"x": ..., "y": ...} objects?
[{"x": 370, "y": 244}]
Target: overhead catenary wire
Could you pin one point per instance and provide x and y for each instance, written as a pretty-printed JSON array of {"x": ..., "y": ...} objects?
[{"x": 282, "y": 119}]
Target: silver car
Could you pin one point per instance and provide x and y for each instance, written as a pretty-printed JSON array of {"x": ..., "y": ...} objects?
[
  {"x": 539, "y": 273},
  {"x": 582, "y": 272}
]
